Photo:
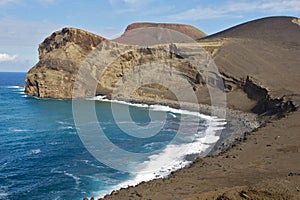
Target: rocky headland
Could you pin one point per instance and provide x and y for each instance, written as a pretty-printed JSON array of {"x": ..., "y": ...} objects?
[{"x": 258, "y": 69}]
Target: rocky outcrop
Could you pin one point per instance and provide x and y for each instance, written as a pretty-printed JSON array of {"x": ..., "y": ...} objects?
[
  {"x": 265, "y": 104},
  {"x": 60, "y": 56},
  {"x": 153, "y": 73},
  {"x": 160, "y": 71}
]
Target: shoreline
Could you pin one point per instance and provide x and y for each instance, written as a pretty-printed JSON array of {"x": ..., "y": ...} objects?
[
  {"x": 258, "y": 65},
  {"x": 238, "y": 122},
  {"x": 231, "y": 138},
  {"x": 238, "y": 125},
  {"x": 236, "y": 132}
]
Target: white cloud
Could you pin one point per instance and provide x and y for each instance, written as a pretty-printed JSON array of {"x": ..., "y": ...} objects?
[
  {"x": 47, "y": 2},
  {"x": 44, "y": 2},
  {"x": 236, "y": 9},
  {"x": 22, "y": 38},
  {"x": 3, "y": 2},
  {"x": 4, "y": 57},
  {"x": 131, "y": 1}
]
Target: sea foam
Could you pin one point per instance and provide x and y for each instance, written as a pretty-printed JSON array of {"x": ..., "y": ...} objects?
[
  {"x": 174, "y": 154},
  {"x": 35, "y": 151},
  {"x": 155, "y": 107},
  {"x": 15, "y": 87}
]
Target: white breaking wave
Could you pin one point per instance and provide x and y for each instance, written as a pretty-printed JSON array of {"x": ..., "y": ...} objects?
[
  {"x": 16, "y": 87},
  {"x": 155, "y": 107},
  {"x": 36, "y": 151},
  {"x": 174, "y": 116},
  {"x": 3, "y": 192},
  {"x": 55, "y": 143},
  {"x": 176, "y": 155},
  {"x": 104, "y": 99},
  {"x": 3, "y": 195},
  {"x": 62, "y": 122},
  {"x": 66, "y": 128},
  {"x": 75, "y": 178},
  {"x": 20, "y": 130},
  {"x": 21, "y": 89}
]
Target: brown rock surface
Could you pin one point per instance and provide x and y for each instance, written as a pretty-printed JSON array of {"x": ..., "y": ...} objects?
[
  {"x": 135, "y": 67},
  {"x": 65, "y": 52},
  {"x": 60, "y": 56},
  {"x": 190, "y": 31}
]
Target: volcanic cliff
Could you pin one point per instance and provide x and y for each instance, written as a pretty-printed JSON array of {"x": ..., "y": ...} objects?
[
  {"x": 249, "y": 57},
  {"x": 60, "y": 56}
]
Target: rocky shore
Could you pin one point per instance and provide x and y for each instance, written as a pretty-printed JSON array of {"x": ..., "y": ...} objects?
[
  {"x": 261, "y": 165},
  {"x": 238, "y": 123}
]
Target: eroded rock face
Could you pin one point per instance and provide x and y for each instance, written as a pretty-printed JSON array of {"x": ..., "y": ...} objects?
[
  {"x": 60, "y": 56},
  {"x": 113, "y": 69},
  {"x": 122, "y": 71}
]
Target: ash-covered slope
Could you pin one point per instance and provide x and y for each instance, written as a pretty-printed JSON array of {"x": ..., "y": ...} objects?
[
  {"x": 265, "y": 50},
  {"x": 277, "y": 30}
]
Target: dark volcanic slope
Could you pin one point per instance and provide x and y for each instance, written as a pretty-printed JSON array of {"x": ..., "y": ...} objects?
[
  {"x": 266, "y": 49},
  {"x": 279, "y": 30}
]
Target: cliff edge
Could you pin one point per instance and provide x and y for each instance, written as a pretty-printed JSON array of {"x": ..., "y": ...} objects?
[{"x": 60, "y": 56}]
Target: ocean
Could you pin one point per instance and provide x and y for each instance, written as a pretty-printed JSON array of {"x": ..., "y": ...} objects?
[{"x": 45, "y": 153}]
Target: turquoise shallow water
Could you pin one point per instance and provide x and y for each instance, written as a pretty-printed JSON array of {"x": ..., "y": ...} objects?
[{"x": 43, "y": 157}]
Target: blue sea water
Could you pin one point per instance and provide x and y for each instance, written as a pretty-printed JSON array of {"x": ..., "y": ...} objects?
[{"x": 43, "y": 157}]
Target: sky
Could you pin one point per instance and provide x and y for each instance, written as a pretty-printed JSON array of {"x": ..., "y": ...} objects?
[{"x": 24, "y": 24}]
